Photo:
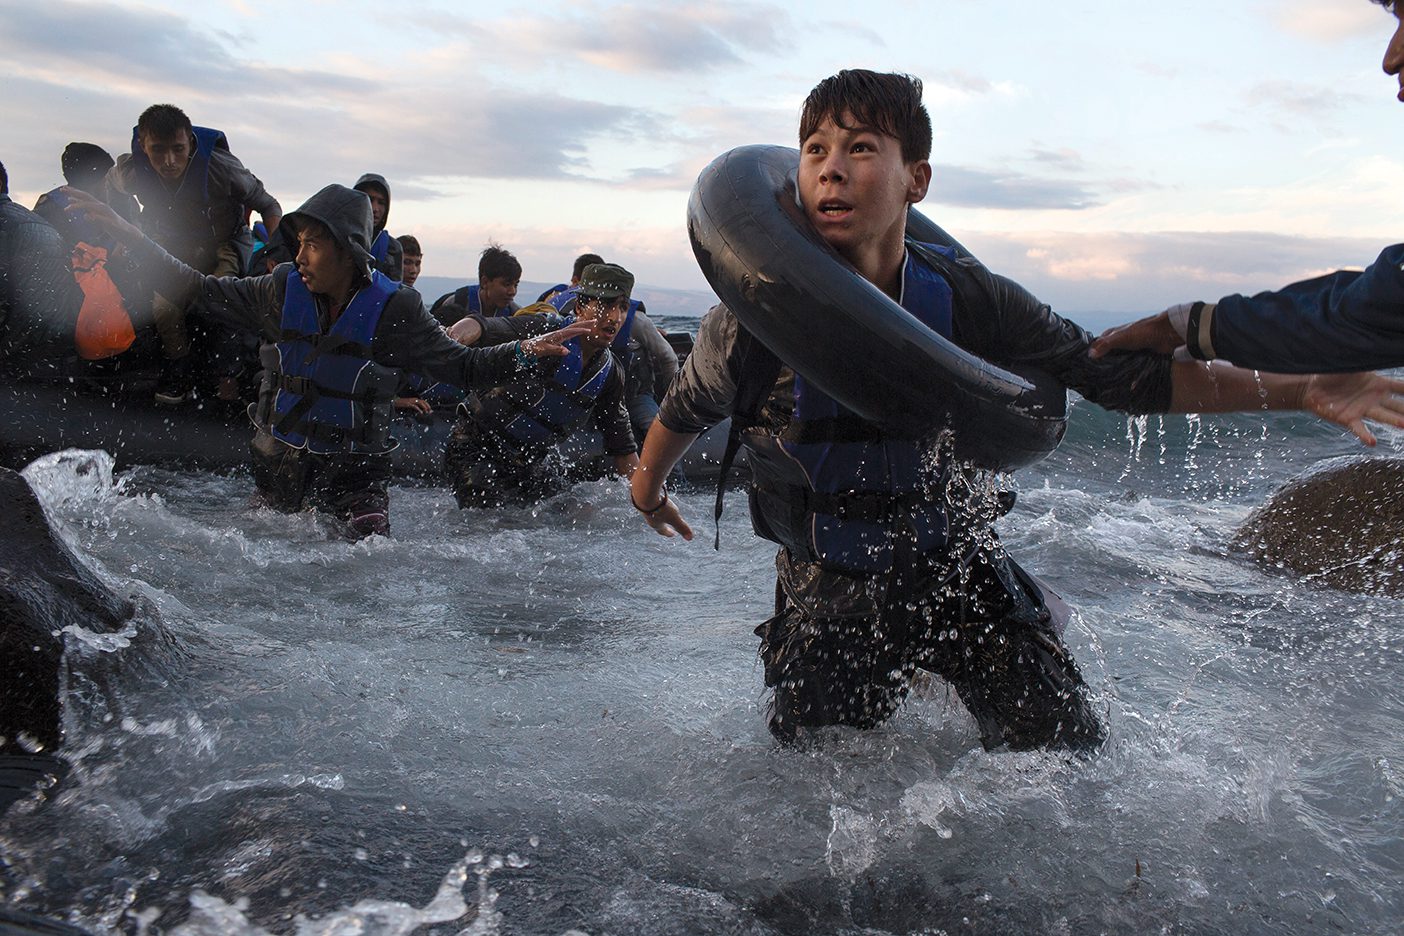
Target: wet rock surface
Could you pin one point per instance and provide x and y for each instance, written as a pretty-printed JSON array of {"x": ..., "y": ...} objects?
[{"x": 1341, "y": 524}]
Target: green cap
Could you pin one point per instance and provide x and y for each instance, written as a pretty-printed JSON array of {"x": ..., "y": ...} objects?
[{"x": 606, "y": 281}]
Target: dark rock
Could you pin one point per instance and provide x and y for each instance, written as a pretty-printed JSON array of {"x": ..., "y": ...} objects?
[
  {"x": 44, "y": 588},
  {"x": 1341, "y": 524}
]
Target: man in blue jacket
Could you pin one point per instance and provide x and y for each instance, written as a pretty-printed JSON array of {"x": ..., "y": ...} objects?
[{"x": 1345, "y": 321}]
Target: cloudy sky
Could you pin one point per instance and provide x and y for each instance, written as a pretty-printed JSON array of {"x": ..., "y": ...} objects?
[{"x": 1109, "y": 155}]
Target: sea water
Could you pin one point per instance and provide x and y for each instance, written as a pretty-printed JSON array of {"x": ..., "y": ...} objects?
[{"x": 549, "y": 721}]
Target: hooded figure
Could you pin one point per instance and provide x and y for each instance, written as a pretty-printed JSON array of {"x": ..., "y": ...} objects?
[
  {"x": 387, "y": 251},
  {"x": 336, "y": 336}
]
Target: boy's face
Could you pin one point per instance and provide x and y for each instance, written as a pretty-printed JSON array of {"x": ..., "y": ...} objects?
[
  {"x": 413, "y": 263},
  {"x": 168, "y": 155},
  {"x": 380, "y": 205},
  {"x": 324, "y": 267},
  {"x": 855, "y": 186},
  {"x": 1394, "y": 52},
  {"x": 497, "y": 292},
  {"x": 607, "y": 317}
]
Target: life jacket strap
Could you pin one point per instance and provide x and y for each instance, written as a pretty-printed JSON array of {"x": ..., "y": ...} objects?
[
  {"x": 834, "y": 430},
  {"x": 757, "y": 373},
  {"x": 875, "y": 507}
]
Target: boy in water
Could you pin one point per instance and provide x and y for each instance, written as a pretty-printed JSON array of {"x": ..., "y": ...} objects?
[{"x": 879, "y": 573}]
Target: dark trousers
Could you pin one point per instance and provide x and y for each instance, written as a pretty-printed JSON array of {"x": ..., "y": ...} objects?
[
  {"x": 978, "y": 627},
  {"x": 487, "y": 471},
  {"x": 349, "y": 486}
]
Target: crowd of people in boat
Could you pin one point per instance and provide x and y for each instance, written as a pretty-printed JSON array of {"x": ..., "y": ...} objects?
[{"x": 323, "y": 353}]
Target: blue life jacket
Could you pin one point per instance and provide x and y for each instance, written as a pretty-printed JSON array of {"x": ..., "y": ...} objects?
[
  {"x": 171, "y": 218},
  {"x": 832, "y": 487},
  {"x": 381, "y": 248},
  {"x": 534, "y": 411},
  {"x": 565, "y": 303},
  {"x": 550, "y": 294},
  {"x": 329, "y": 394},
  {"x": 436, "y": 393},
  {"x": 467, "y": 297}
]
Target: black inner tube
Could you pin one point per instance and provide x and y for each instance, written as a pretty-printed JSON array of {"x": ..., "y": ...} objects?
[{"x": 821, "y": 317}]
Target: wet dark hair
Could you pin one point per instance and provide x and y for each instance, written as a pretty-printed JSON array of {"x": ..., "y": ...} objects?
[
  {"x": 164, "y": 122},
  {"x": 84, "y": 159},
  {"x": 497, "y": 263},
  {"x": 581, "y": 262},
  {"x": 4, "y": 180},
  {"x": 410, "y": 243},
  {"x": 888, "y": 103}
]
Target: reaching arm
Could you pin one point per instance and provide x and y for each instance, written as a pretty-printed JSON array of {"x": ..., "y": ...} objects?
[
  {"x": 662, "y": 449},
  {"x": 625, "y": 464},
  {"x": 1345, "y": 399},
  {"x": 1344, "y": 321}
]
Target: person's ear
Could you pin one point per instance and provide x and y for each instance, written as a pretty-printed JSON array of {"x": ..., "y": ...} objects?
[{"x": 919, "y": 181}]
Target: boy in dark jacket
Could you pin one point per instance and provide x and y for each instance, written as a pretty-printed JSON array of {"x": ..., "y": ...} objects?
[{"x": 880, "y": 571}]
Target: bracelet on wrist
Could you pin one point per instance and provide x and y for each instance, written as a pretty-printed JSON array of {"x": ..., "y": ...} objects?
[
  {"x": 651, "y": 511},
  {"x": 525, "y": 359}
]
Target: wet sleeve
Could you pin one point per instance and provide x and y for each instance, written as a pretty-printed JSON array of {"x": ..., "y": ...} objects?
[
  {"x": 244, "y": 187},
  {"x": 251, "y": 303},
  {"x": 1024, "y": 331},
  {"x": 501, "y": 329},
  {"x": 410, "y": 338},
  {"x": 705, "y": 387},
  {"x": 611, "y": 417},
  {"x": 1345, "y": 321},
  {"x": 394, "y": 266},
  {"x": 664, "y": 358}
]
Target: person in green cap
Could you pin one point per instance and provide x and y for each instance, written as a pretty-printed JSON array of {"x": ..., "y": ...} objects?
[{"x": 502, "y": 449}]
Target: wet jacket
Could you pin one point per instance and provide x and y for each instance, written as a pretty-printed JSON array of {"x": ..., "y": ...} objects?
[
  {"x": 602, "y": 406},
  {"x": 832, "y": 488},
  {"x": 206, "y": 210},
  {"x": 1344, "y": 321},
  {"x": 992, "y": 317},
  {"x": 405, "y": 338},
  {"x": 389, "y": 253},
  {"x": 39, "y": 299}
]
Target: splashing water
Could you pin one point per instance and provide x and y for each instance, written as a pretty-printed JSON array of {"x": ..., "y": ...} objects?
[{"x": 330, "y": 726}]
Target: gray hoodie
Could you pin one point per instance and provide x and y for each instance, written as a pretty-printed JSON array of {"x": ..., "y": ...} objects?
[
  {"x": 393, "y": 265},
  {"x": 407, "y": 337}
]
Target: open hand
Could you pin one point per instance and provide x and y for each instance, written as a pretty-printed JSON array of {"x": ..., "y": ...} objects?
[
  {"x": 1350, "y": 399},
  {"x": 666, "y": 519},
  {"x": 552, "y": 344}
]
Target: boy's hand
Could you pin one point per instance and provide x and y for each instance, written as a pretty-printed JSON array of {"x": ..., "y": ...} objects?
[{"x": 552, "y": 344}]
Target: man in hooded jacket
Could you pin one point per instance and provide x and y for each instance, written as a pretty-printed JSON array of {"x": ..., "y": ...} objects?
[
  {"x": 387, "y": 252},
  {"x": 337, "y": 334}
]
